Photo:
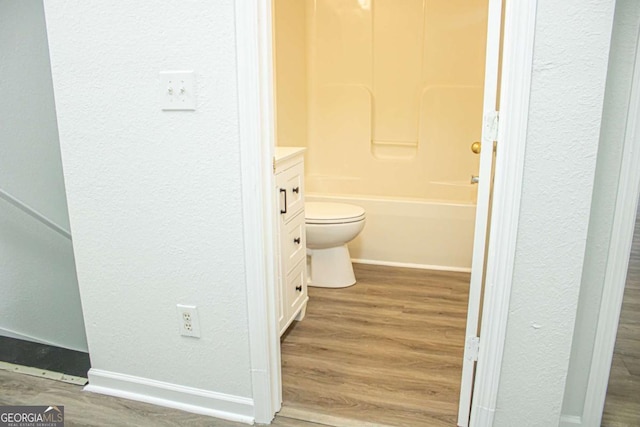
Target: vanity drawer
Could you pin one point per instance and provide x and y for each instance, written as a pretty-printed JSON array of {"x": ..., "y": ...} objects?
[
  {"x": 294, "y": 242},
  {"x": 296, "y": 287},
  {"x": 291, "y": 191}
]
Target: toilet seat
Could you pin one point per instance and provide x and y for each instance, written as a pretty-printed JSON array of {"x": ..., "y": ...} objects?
[{"x": 332, "y": 213}]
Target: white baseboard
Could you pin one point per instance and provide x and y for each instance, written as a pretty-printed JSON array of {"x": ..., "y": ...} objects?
[
  {"x": 189, "y": 399},
  {"x": 410, "y": 265},
  {"x": 570, "y": 421},
  {"x": 483, "y": 416}
]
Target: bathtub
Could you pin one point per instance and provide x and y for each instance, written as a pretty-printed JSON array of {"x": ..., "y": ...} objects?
[{"x": 411, "y": 232}]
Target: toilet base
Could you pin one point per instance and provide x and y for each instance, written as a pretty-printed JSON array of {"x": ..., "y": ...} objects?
[{"x": 330, "y": 268}]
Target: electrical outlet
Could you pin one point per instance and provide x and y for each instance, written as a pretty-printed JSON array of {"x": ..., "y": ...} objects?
[{"x": 188, "y": 320}]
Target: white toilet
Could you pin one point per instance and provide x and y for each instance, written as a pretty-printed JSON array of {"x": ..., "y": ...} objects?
[{"x": 329, "y": 227}]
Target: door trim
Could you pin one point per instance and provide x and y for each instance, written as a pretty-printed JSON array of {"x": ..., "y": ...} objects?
[
  {"x": 483, "y": 207},
  {"x": 519, "y": 31},
  {"x": 618, "y": 258},
  {"x": 256, "y": 125}
]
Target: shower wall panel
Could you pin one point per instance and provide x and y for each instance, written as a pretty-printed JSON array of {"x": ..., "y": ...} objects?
[
  {"x": 394, "y": 96},
  {"x": 290, "y": 73}
]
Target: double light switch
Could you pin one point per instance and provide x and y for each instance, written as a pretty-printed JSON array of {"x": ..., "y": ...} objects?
[{"x": 178, "y": 90}]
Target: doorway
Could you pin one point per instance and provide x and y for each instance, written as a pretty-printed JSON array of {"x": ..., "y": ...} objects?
[
  {"x": 257, "y": 140},
  {"x": 345, "y": 101}
]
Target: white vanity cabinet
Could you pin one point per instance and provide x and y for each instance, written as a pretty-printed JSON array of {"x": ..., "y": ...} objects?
[{"x": 292, "y": 242}]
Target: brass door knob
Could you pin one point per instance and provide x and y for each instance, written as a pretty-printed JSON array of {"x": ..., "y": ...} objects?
[{"x": 476, "y": 147}]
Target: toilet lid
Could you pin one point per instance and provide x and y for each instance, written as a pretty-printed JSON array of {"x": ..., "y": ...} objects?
[{"x": 325, "y": 212}]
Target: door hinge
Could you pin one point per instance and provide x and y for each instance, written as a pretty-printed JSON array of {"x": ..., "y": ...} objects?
[
  {"x": 490, "y": 124},
  {"x": 471, "y": 348},
  {"x": 274, "y": 164}
]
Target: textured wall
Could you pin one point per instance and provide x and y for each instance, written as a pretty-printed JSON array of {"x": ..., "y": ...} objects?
[
  {"x": 614, "y": 119},
  {"x": 567, "y": 89},
  {"x": 154, "y": 197},
  {"x": 40, "y": 299}
]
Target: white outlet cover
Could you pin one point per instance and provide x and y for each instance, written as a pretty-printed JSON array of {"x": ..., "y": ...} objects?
[
  {"x": 177, "y": 90},
  {"x": 192, "y": 328}
]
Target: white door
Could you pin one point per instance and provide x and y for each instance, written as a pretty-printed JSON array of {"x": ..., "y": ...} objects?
[{"x": 483, "y": 208}]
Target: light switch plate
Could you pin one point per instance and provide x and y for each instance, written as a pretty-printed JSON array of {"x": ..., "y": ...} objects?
[{"x": 177, "y": 90}]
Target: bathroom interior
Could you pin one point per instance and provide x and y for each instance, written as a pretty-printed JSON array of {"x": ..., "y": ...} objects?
[
  {"x": 387, "y": 350},
  {"x": 386, "y": 98}
]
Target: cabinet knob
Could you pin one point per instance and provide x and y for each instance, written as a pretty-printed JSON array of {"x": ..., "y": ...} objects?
[
  {"x": 296, "y": 240},
  {"x": 299, "y": 288},
  {"x": 296, "y": 189}
]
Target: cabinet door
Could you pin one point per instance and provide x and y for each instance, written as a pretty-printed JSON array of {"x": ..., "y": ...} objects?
[
  {"x": 295, "y": 289},
  {"x": 293, "y": 243},
  {"x": 290, "y": 191}
]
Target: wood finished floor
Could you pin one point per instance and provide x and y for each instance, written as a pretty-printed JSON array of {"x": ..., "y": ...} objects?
[
  {"x": 622, "y": 405},
  {"x": 386, "y": 351},
  {"x": 90, "y": 409}
]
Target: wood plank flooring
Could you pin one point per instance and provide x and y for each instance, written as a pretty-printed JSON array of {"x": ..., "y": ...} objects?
[
  {"x": 622, "y": 405},
  {"x": 90, "y": 409},
  {"x": 386, "y": 351}
]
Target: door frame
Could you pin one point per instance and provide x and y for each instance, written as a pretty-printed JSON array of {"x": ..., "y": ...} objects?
[
  {"x": 480, "y": 255},
  {"x": 256, "y": 110},
  {"x": 256, "y": 117},
  {"x": 515, "y": 85}
]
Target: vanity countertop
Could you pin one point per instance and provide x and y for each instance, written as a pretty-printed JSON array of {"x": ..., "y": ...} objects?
[{"x": 283, "y": 153}]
